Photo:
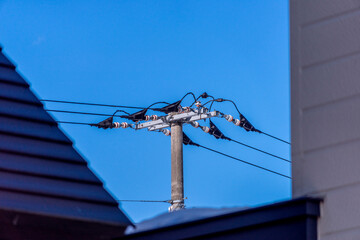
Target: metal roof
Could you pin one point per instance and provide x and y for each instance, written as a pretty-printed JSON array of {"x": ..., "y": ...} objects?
[
  {"x": 40, "y": 171},
  {"x": 294, "y": 219}
]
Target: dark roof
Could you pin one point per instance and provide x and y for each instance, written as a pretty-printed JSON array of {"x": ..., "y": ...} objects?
[
  {"x": 294, "y": 219},
  {"x": 40, "y": 171}
]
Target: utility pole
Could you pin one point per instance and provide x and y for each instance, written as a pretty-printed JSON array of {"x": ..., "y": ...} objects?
[
  {"x": 177, "y": 177},
  {"x": 175, "y": 122}
]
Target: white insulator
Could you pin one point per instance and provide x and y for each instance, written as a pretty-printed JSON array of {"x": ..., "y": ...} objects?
[
  {"x": 198, "y": 104},
  {"x": 166, "y": 132},
  {"x": 147, "y": 118},
  {"x": 205, "y": 129},
  {"x": 124, "y": 125},
  {"x": 237, "y": 122},
  {"x": 117, "y": 125},
  {"x": 154, "y": 117},
  {"x": 195, "y": 124},
  {"x": 229, "y": 118}
]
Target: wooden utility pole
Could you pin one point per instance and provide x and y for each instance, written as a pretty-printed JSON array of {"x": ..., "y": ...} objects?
[
  {"x": 177, "y": 178},
  {"x": 175, "y": 120}
]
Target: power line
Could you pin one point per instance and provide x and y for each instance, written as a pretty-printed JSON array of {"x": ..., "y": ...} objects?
[
  {"x": 275, "y": 137},
  {"x": 242, "y": 118},
  {"x": 213, "y": 150},
  {"x": 243, "y": 161},
  {"x": 84, "y": 113},
  {"x": 215, "y": 131},
  {"x": 78, "y": 123},
  {"x": 132, "y": 107},
  {"x": 91, "y": 104},
  {"x": 257, "y": 149},
  {"x": 147, "y": 201},
  {"x": 243, "y": 144}
]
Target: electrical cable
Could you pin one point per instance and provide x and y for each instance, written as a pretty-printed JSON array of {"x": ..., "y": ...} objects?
[
  {"x": 188, "y": 94},
  {"x": 251, "y": 164},
  {"x": 151, "y": 201},
  {"x": 155, "y": 104},
  {"x": 215, "y": 131},
  {"x": 188, "y": 141},
  {"x": 242, "y": 116},
  {"x": 84, "y": 113},
  {"x": 279, "y": 139},
  {"x": 203, "y": 95},
  {"x": 148, "y": 201},
  {"x": 257, "y": 149},
  {"x": 90, "y": 104},
  {"x": 79, "y": 123},
  {"x": 256, "y": 130},
  {"x": 213, "y": 150}
]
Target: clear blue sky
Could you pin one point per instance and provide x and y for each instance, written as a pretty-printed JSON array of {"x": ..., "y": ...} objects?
[{"x": 138, "y": 52}]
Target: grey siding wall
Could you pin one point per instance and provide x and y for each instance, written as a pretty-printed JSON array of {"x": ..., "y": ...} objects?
[{"x": 325, "y": 110}]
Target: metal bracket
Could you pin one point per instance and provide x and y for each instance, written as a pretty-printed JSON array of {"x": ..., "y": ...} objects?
[{"x": 165, "y": 121}]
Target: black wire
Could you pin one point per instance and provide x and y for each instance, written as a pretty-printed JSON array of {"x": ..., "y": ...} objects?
[
  {"x": 160, "y": 201},
  {"x": 120, "y": 111},
  {"x": 279, "y": 139},
  {"x": 91, "y": 104},
  {"x": 156, "y": 103},
  {"x": 200, "y": 97},
  {"x": 227, "y": 100},
  {"x": 251, "y": 164},
  {"x": 84, "y": 113},
  {"x": 188, "y": 94},
  {"x": 254, "y": 148},
  {"x": 80, "y": 123},
  {"x": 254, "y": 165},
  {"x": 209, "y": 101},
  {"x": 257, "y": 149}
]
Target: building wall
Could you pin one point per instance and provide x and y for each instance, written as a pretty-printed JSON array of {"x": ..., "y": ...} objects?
[{"x": 325, "y": 110}]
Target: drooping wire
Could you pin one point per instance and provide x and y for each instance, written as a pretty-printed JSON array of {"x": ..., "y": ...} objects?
[
  {"x": 189, "y": 93},
  {"x": 120, "y": 111},
  {"x": 243, "y": 161},
  {"x": 203, "y": 95},
  {"x": 149, "y": 107}
]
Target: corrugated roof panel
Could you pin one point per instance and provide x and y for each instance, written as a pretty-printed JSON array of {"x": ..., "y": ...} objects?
[
  {"x": 57, "y": 188},
  {"x": 40, "y": 171},
  {"x": 39, "y": 148},
  {"x": 49, "y": 168},
  {"x": 32, "y": 129},
  {"x": 24, "y": 111},
  {"x": 9, "y": 75},
  {"x": 18, "y": 93},
  {"x": 62, "y": 208},
  {"x": 5, "y": 61}
]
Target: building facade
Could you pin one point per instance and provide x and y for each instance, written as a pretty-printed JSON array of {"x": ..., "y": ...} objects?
[{"x": 325, "y": 111}]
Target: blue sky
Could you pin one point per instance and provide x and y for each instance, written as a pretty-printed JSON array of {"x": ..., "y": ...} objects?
[{"x": 139, "y": 52}]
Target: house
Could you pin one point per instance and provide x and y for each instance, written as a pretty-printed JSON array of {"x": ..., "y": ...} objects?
[
  {"x": 290, "y": 220},
  {"x": 47, "y": 190}
]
